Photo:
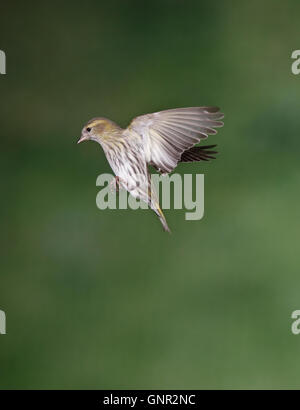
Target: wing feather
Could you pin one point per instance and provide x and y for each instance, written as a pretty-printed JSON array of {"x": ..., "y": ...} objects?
[{"x": 167, "y": 134}]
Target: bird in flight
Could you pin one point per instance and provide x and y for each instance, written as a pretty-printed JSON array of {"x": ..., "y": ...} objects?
[{"x": 161, "y": 139}]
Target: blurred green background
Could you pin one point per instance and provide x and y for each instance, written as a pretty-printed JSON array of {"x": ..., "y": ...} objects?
[{"x": 106, "y": 299}]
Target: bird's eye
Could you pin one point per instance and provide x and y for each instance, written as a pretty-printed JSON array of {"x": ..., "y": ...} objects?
[{"x": 88, "y": 129}]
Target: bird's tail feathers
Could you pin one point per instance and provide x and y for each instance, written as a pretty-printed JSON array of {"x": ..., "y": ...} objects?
[{"x": 202, "y": 153}]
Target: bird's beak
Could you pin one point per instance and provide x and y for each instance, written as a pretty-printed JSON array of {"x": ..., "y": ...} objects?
[{"x": 81, "y": 139}]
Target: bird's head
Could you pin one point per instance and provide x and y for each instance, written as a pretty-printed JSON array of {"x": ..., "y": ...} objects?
[{"x": 98, "y": 129}]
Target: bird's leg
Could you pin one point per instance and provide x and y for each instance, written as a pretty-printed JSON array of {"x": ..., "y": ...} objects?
[
  {"x": 115, "y": 184},
  {"x": 117, "y": 179}
]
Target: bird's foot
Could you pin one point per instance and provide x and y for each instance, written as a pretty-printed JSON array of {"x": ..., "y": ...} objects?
[{"x": 115, "y": 184}]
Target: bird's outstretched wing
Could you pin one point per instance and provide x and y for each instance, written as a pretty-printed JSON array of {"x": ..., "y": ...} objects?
[{"x": 167, "y": 134}]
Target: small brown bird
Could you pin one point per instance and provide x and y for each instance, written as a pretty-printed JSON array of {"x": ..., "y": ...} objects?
[{"x": 162, "y": 139}]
